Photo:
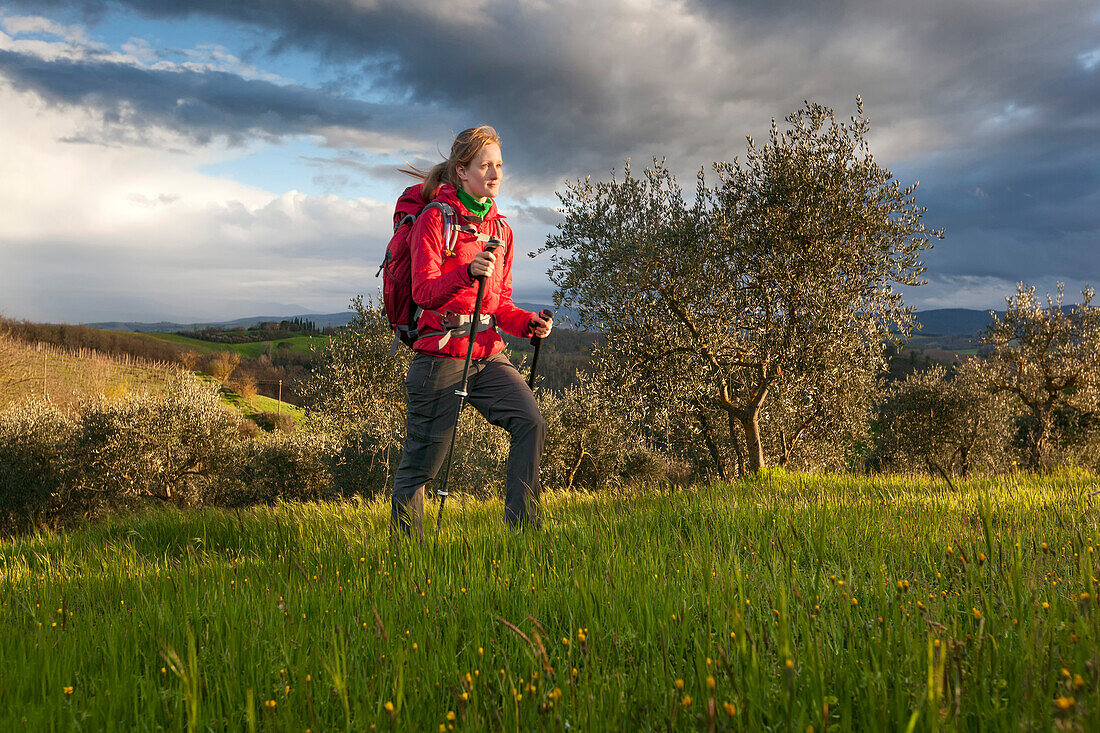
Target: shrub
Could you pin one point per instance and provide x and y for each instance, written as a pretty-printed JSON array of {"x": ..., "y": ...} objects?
[
  {"x": 276, "y": 467},
  {"x": 593, "y": 438},
  {"x": 932, "y": 422},
  {"x": 275, "y": 421},
  {"x": 221, "y": 365},
  {"x": 358, "y": 388},
  {"x": 362, "y": 466},
  {"x": 1045, "y": 359},
  {"x": 170, "y": 447},
  {"x": 33, "y": 435},
  {"x": 246, "y": 388},
  {"x": 189, "y": 360}
]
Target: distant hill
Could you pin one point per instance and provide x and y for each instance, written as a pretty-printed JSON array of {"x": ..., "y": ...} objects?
[
  {"x": 939, "y": 322},
  {"x": 953, "y": 321},
  {"x": 564, "y": 317},
  {"x": 321, "y": 319}
]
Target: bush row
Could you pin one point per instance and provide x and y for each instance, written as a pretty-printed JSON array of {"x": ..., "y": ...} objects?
[{"x": 184, "y": 447}]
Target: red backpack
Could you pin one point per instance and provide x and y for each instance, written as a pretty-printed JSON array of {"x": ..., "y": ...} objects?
[{"x": 396, "y": 268}]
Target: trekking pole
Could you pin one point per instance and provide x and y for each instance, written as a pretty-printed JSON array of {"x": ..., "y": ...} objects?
[
  {"x": 441, "y": 492},
  {"x": 545, "y": 314}
]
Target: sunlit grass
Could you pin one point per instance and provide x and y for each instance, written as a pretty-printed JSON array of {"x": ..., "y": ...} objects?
[
  {"x": 778, "y": 603},
  {"x": 66, "y": 377},
  {"x": 300, "y": 344}
]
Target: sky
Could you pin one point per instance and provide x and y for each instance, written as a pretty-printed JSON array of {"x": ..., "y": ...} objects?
[{"x": 204, "y": 160}]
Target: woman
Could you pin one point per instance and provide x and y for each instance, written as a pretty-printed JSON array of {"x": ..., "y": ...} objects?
[{"x": 444, "y": 285}]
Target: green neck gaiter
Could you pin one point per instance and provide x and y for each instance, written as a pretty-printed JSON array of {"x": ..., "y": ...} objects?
[{"x": 479, "y": 210}]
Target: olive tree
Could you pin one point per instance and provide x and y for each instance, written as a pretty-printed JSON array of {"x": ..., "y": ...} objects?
[
  {"x": 1047, "y": 358},
  {"x": 939, "y": 422},
  {"x": 780, "y": 276},
  {"x": 819, "y": 422}
]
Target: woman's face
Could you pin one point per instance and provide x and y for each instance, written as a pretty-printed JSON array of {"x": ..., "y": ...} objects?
[{"x": 481, "y": 178}]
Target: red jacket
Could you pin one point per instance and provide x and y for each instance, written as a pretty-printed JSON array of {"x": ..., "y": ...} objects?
[{"x": 441, "y": 281}]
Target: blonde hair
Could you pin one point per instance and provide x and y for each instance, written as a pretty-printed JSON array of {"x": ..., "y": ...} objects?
[{"x": 465, "y": 148}]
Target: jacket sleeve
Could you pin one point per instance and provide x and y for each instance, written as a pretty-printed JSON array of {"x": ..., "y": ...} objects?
[
  {"x": 431, "y": 287},
  {"x": 511, "y": 318}
]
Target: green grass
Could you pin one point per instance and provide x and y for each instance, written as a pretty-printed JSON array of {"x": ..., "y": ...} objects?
[
  {"x": 202, "y": 347},
  {"x": 302, "y": 344},
  {"x": 867, "y": 604},
  {"x": 259, "y": 403}
]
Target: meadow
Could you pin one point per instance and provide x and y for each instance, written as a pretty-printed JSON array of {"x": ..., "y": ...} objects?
[
  {"x": 300, "y": 344},
  {"x": 781, "y": 602}
]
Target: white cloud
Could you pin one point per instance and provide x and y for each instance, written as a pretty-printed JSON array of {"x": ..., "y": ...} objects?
[
  {"x": 981, "y": 292},
  {"x": 19, "y": 25},
  {"x": 75, "y": 45},
  {"x": 576, "y": 87},
  {"x": 212, "y": 57},
  {"x": 88, "y": 224},
  {"x": 1089, "y": 60}
]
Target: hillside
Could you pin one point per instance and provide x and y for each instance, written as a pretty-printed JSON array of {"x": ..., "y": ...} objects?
[
  {"x": 297, "y": 344},
  {"x": 953, "y": 321},
  {"x": 67, "y": 376},
  {"x": 565, "y": 316},
  {"x": 270, "y": 364},
  {"x": 286, "y": 361}
]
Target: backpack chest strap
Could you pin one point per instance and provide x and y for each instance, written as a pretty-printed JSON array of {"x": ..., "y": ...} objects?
[
  {"x": 459, "y": 324},
  {"x": 483, "y": 237}
]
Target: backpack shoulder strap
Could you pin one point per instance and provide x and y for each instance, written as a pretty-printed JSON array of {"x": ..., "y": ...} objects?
[
  {"x": 448, "y": 220},
  {"x": 448, "y": 212}
]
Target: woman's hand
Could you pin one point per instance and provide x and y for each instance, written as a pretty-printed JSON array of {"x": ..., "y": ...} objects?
[
  {"x": 482, "y": 264},
  {"x": 542, "y": 326}
]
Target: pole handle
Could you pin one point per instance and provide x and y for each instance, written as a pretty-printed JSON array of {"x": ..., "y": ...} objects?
[
  {"x": 537, "y": 343},
  {"x": 545, "y": 314}
]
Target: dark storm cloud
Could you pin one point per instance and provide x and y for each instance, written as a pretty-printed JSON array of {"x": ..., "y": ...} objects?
[
  {"x": 595, "y": 82},
  {"x": 988, "y": 102},
  {"x": 1024, "y": 205},
  {"x": 530, "y": 70},
  {"x": 200, "y": 104}
]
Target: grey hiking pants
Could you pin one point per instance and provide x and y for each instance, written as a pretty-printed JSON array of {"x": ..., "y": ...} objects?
[{"x": 498, "y": 392}]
